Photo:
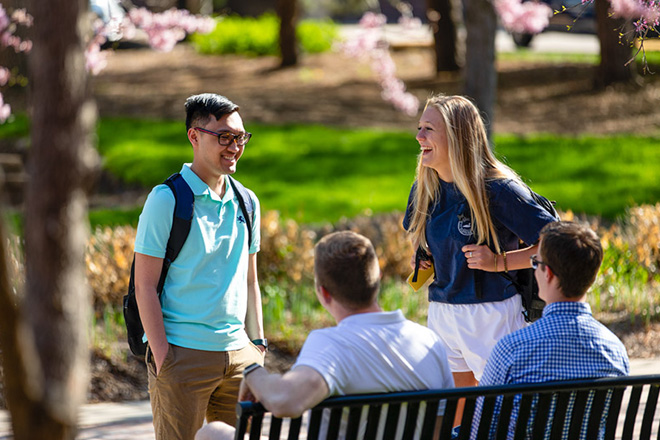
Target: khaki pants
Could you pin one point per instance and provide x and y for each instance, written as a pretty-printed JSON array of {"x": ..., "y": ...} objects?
[{"x": 193, "y": 384}]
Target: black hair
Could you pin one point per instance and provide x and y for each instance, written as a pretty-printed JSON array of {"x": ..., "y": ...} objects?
[{"x": 199, "y": 108}]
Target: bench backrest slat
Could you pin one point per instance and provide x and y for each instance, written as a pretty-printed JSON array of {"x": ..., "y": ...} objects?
[
  {"x": 275, "y": 429},
  {"x": 486, "y": 416},
  {"x": 598, "y": 410},
  {"x": 505, "y": 417},
  {"x": 631, "y": 413},
  {"x": 544, "y": 405},
  {"x": 353, "y": 427},
  {"x": 524, "y": 412},
  {"x": 411, "y": 420},
  {"x": 651, "y": 405},
  {"x": 373, "y": 418},
  {"x": 334, "y": 423},
  {"x": 294, "y": 428},
  {"x": 559, "y": 419},
  {"x": 570, "y": 409},
  {"x": 392, "y": 421},
  {"x": 613, "y": 413},
  {"x": 578, "y": 408},
  {"x": 430, "y": 416},
  {"x": 315, "y": 423}
]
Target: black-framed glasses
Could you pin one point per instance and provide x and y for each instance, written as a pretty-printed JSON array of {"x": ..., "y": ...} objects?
[
  {"x": 225, "y": 138},
  {"x": 536, "y": 262}
]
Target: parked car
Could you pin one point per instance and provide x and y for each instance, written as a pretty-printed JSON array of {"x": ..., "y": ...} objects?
[{"x": 577, "y": 17}]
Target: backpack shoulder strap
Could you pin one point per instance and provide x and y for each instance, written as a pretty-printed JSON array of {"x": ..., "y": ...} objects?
[
  {"x": 246, "y": 204},
  {"x": 184, "y": 200}
]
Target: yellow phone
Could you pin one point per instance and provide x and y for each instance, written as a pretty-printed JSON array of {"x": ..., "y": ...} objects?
[{"x": 422, "y": 276}]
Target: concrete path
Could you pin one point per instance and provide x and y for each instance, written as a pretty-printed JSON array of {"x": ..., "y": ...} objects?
[{"x": 132, "y": 420}]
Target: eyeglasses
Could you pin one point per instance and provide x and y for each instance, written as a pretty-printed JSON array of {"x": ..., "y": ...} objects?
[
  {"x": 536, "y": 263},
  {"x": 225, "y": 138}
]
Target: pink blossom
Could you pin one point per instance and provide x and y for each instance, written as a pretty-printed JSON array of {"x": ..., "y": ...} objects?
[
  {"x": 21, "y": 16},
  {"x": 371, "y": 20},
  {"x": 5, "y": 110},
  {"x": 368, "y": 44},
  {"x": 95, "y": 59},
  {"x": 4, "y": 19},
  {"x": 647, "y": 10},
  {"x": 410, "y": 22},
  {"x": 5, "y": 74},
  {"x": 528, "y": 17}
]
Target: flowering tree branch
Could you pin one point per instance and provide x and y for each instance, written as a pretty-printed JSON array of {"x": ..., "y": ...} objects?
[
  {"x": 8, "y": 26},
  {"x": 163, "y": 31}
]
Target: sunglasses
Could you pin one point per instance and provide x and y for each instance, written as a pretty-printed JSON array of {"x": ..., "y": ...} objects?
[
  {"x": 225, "y": 138},
  {"x": 536, "y": 262}
]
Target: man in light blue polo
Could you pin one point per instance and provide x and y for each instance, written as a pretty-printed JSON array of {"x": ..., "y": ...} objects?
[{"x": 207, "y": 326}]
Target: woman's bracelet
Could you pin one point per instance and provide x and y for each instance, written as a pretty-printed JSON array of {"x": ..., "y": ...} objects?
[
  {"x": 496, "y": 263},
  {"x": 506, "y": 269}
]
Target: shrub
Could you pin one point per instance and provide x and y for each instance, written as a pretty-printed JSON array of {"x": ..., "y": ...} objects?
[
  {"x": 628, "y": 282},
  {"x": 260, "y": 36}
]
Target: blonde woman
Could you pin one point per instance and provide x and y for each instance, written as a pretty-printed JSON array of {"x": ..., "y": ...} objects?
[{"x": 469, "y": 212}]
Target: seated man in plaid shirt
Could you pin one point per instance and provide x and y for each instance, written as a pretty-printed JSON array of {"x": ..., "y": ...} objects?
[{"x": 567, "y": 342}]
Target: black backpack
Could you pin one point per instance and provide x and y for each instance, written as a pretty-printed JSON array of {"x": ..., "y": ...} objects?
[
  {"x": 525, "y": 282},
  {"x": 183, "y": 212}
]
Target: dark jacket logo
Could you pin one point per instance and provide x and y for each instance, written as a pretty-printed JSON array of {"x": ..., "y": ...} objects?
[{"x": 464, "y": 225}]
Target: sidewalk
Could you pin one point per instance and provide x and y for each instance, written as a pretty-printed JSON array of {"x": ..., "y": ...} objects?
[{"x": 132, "y": 420}]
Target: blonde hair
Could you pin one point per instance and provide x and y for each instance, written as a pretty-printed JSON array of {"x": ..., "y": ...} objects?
[{"x": 472, "y": 164}]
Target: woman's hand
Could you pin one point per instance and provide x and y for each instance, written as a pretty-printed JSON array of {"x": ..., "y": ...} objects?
[
  {"x": 423, "y": 264},
  {"x": 479, "y": 257}
]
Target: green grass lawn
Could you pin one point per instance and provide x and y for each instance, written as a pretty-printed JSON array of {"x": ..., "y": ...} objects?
[{"x": 314, "y": 173}]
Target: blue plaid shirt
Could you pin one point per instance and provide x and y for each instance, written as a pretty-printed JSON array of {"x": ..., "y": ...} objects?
[{"x": 566, "y": 343}]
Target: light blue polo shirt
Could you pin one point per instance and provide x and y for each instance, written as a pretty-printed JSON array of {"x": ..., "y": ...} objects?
[{"x": 204, "y": 298}]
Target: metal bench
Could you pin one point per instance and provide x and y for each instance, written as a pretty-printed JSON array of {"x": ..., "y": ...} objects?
[{"x": 624, "y": 407}]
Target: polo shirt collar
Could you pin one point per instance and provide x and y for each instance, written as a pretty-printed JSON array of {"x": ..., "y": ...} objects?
[
  {"x": 200, "y": 188},
  {"x": 374, "y": 318}
]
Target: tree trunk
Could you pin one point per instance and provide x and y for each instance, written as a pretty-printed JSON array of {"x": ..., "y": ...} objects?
[
  {"x": 614, "y": 53},
  {"x": 49, "y": 374},
  {"x": 444, "y": 34},
  {"x": 287, "y": 10},
  {"x": 479, "y": 73}
]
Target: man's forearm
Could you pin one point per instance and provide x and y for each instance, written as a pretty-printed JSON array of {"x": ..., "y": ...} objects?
[
  {"x": 254, "y": 317},
  {"x": 287, "y": 395},
  {"x": 151, "y": 316}
]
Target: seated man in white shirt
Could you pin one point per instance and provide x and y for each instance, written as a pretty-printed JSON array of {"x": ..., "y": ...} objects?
[{"x": 368, "y": 351}]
